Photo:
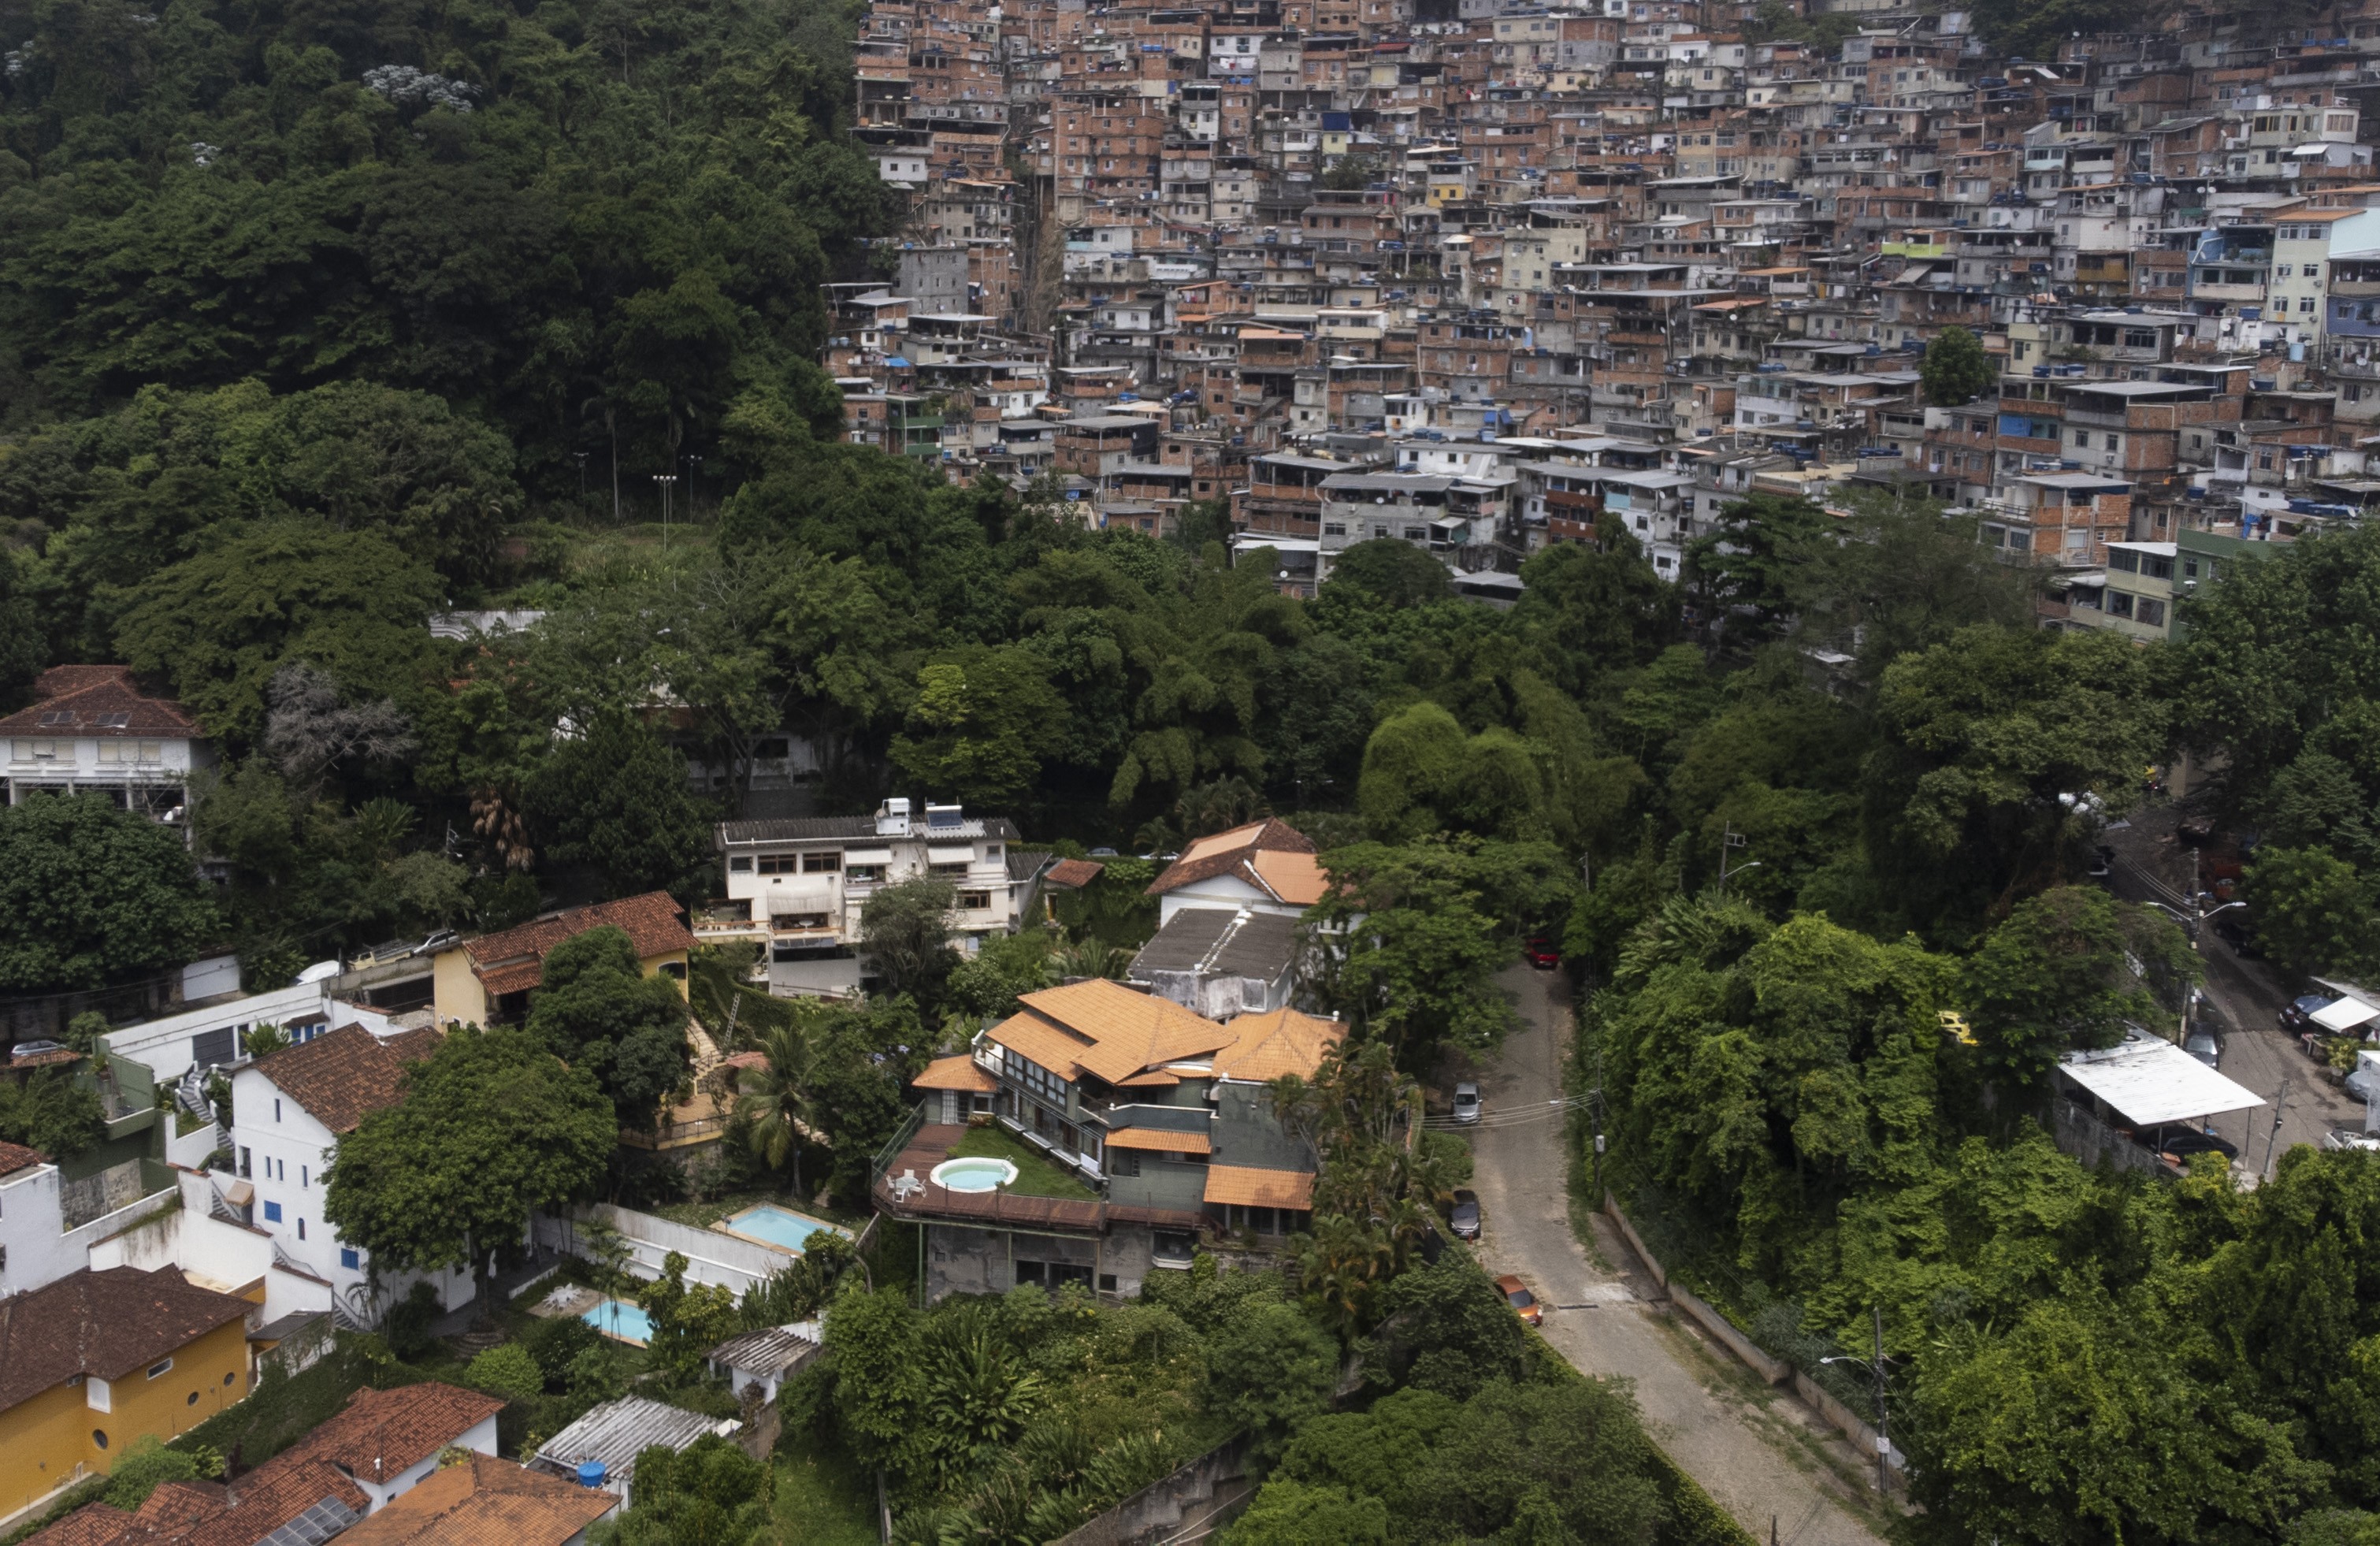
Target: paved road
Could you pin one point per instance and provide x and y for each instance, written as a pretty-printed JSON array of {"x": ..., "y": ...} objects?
[
  {"x": 2244, "y": 1000},
  {"x": 1758, "y": 1454}
]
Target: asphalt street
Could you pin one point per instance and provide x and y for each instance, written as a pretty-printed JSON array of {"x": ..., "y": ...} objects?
[{"x": 1757, "y": 1453}]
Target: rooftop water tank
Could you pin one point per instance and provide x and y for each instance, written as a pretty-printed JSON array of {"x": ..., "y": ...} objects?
[{"x": 591, "y": 1473}]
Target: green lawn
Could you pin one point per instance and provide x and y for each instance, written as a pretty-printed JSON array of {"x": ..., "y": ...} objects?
[
  {"x": 822, "y": 1501},
  {"x": 1036, "y": 1175}
]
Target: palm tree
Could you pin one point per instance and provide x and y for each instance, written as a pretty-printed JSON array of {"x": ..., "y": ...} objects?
[
  {"x": 777, "y": 1096},
  {"x": 1090, "y": 957}
]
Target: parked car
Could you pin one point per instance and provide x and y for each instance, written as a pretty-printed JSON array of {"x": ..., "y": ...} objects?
[
  {"x": 2200, "y": 1044},
  {"x": 2103, "y": 862},
  {"x": 2348, "y": 1138},
  {"x": 34, "y": 1048},
  {"x": 1525, "y": 1304},
  {"x": 383, "y": 953},
  {"x": 1464, "y": 1219},
  {"x": 2364, "y": 1082},
  {"x": 2179, "y": 1144},
  {"x": 1542, "y": 954},
  {"x": 1466, "y": 1102},
  {"x": 2234, "y": 930},
  {"x": 2299, "y": 1015}
]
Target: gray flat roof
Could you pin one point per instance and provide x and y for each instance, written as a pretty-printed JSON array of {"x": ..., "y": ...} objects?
[
  {"x": 617, "y": 1431},
  {"x": 1220, "y": 942}
]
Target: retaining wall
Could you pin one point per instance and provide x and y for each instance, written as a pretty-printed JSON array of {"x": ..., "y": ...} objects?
[{"x": 711, "y": 1257}]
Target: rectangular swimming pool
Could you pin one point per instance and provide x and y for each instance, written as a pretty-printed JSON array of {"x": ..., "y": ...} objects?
[
  {"x": 622, "y": 1322},
  {"x": 781, "y": 1227}
]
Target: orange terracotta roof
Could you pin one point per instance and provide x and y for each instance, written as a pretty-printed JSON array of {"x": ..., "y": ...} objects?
[
  {"x": 97, "y": 700},
  {"x": 1296, "y": 878},
  {"x": 107, "y": 1323},
  {"x": 1074, "y": 872},
  {"x": 1279, "y": 1041},
  {"x": 340, "y": 1076},
  {"x": 15, "y": 1157},
  {"x": 1259, "y": 1188},
  {"x": 486, "y": 1502},
  {"x": 382, "y": 1432},
  {"x": 515, "y": 958},
  {"x": 1160, "y": 1140},
  {"x": 1122, "y": 1032},
  {"x": 957, "y": 1072},
  {"x": 1237, "y": 851}
]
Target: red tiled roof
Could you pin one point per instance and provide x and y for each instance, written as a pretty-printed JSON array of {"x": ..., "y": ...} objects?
[
  {"x": 15, "y": 1157},
  {"x": 342, "y": 1076},
  {"x": 514, "y": 960},
  {"x": 1224, "y": 852},
  {"x": 1074, "y": 872},
  {"x": 486, "y": 1502},
  {"x": 97, "y": 700},
  {"x": 107, "y": 1323},
  {"x": 382, "y": 1432}
]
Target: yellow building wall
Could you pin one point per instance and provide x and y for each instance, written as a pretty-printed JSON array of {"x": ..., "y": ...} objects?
[
  {"x": 455, "y": 995},
  {"x": 43, "y": 1440}
]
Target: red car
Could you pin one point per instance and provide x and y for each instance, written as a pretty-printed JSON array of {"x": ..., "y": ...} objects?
[{"x": 1542, "y": 954}]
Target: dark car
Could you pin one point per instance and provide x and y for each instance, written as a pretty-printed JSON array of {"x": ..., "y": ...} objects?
[
  {"x": 1542, "y": 954},
  {"x": 2300, "y": 1015},
  {"x": 2178, "y": 1144},
  {"x": 2235, "y": 929},
  {"x": 1464, "y": 1219},
  {"x": 2200, "y": 1044}
]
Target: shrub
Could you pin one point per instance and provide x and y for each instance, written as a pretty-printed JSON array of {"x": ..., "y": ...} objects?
[
  {"x": 409, "y": 1322},
  {"x": 509, "y": 1371},
  {"x": 556, "y": 1344},
  {"x": 146, "y": 1465}
]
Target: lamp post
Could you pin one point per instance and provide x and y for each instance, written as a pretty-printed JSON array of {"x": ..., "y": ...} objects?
[
  {"x": 693, "y": 483},
  {"x": 662, "y": 482},
  {"x": 1878, "y": 1372},
  {"x": 1729, "y": 839}
]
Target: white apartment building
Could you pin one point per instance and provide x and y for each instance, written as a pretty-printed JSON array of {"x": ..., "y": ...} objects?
[
  {"x": 289, "y": 1113},
  {"x": 801, "y": 882}
]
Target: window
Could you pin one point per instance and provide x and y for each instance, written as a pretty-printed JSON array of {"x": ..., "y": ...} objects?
[
  {"x": 863, "y": 872},
  {"x": 949, "y": 871},
  {"x": 2305, "y": 303},
  {"x": 351, "y": 1259},
  {"x": 301, "y": 1229},
  {"x": 1122, "y": 1162},
  {"x": 2120, "y": 604},
  {"x": 780, "y": 864},
  {"x": 276, "y": 1108},
  {"x": 2314, "y": 271},
  {"x": 1032, "y": 1076},
  {"x": 2151, "y": 614},
  {"x": 37, "y": 751},
  {"x": 2283, "y": 272},
  {"x": 821, "y": 864},
  {"x": 1334, "y": 529},
  {"x": 740, "y": 864},
  {"x": 302, "y": 1182},
  {"x": 784, "y": 922},
  {"x": 975, "y": 901},
  {"x": 162, "y": 1368},
  {"x": 273, "y": 1213}
]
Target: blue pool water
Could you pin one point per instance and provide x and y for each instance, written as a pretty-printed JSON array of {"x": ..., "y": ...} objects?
[
  {"x": 617, "y": 1318},
  {"x": 779, "y": 1226}
]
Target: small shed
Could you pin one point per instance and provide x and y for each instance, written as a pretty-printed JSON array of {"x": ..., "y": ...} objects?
[
  {"x": 600, "y": 1449},
  {"x": 766, "y": 1358},
  {"x": 2115, "y": 1095}
]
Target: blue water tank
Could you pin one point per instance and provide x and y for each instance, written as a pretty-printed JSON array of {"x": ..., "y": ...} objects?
[{"x": 591, "y": 1473}]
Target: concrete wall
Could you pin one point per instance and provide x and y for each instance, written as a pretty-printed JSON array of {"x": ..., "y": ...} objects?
[
  {"x": 33, "y": 1231},
  {"x": 711, "y": 1257},
  {"x": 1201, "y": 1496},
  {"x": 962, "y": 1259}
]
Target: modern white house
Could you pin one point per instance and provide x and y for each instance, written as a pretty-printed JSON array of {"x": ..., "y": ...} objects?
[
  {"x": 93, "y": 731},
  {"x": 1264, "y": 867},
  {"x": 35, "y": 1250},
  {"x": 289, "y": 1110},
  {"x": 799, "y": 883}
]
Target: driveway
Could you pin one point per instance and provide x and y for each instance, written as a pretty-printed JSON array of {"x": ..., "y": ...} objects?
[{"x": 1760, "y": 1454}]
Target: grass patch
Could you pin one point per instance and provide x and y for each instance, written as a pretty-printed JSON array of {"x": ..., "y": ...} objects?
[
  {"x": 1036, "y": 1174},
  {"x": 822, "y": 1500}
]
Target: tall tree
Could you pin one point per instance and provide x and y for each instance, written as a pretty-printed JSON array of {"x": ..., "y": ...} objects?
[
  {"x": 490, "y": 1128},
  {"x": 91, "y": 895},
  {"x": 1955, "y": 369},
  {"x": 597, "y": 1010}
]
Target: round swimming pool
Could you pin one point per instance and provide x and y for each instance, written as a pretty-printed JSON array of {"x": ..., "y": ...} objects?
[{"x": 973, "y": 1175}]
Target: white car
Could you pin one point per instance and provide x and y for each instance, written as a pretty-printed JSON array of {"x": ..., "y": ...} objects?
[{"x": 1467, "y": 1103}]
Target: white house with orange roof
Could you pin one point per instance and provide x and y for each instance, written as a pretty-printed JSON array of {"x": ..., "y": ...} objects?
[{"x": 1266, "y": 867}]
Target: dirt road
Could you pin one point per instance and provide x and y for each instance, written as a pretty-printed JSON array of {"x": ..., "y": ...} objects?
[{"x": 1758, "y": 1454}]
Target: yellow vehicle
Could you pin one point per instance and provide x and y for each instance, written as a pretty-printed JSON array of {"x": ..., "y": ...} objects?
[{"x": 1955, "y": 1024}]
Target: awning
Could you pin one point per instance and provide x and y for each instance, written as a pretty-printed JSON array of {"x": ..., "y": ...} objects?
[
  {"x": 239, "y": 1194},
  {"x": 868, "y": 855},
  {"x": 1259, "y": 1188},
  {"x": 950, "y": 853},
  {"x": 2148, "y": 1081},
  {"x": 2345, "y": 1014},
  {"x": 1160, "y": 1140}
]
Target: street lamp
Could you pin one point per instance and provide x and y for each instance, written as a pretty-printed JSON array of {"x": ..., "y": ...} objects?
[
  {"x": 1876, "y": 1372},
  {"x": 662, "y": 482}
]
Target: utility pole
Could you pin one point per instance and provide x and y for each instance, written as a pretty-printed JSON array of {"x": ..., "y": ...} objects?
[
  {"x": 661, "y": 480},
  {"x": 2280, "y": 1104}
]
